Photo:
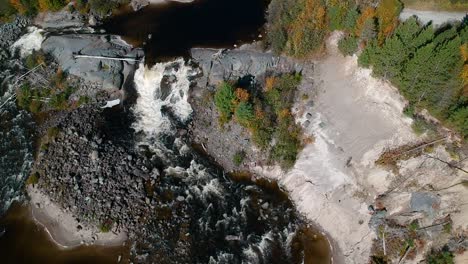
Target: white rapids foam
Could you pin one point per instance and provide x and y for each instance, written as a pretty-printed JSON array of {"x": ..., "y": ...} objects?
[
  {"x": 148, "y": 107},
  {"x": 29, "y": 42}
]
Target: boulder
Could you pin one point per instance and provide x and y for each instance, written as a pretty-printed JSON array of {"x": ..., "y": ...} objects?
[
  {"x": 104, "y": 72},
  {"x": 218, "y": 65}
]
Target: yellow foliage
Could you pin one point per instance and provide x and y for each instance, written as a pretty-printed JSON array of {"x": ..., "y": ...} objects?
[
  {"x": 18, "y": 6},
  {"x": 464, "y": 51},
  {"x": 312, "y": 17},
  {"x": 270, "y": 82},
  {"x": 366, "y": 14},
  {"x": 43, "y": 5},
  {"x": 242, "y": 95},
  {"x": 387, "y": 14},
  {"x": 284, "y": 113},
  {"x": 464, "y": 74}
]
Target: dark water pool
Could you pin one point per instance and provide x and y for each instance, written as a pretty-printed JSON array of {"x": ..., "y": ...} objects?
[
  {"x": 26, "y": 242},
  {"x": 176, "y": 27}
]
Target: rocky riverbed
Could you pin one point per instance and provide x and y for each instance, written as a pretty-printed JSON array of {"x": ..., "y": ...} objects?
[{"x": 93, "y": 169}]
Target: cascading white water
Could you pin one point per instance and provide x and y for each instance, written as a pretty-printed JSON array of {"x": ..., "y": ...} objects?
[
  {"x": 29, "y": 42},
  {"x": 152, "y": 98}
]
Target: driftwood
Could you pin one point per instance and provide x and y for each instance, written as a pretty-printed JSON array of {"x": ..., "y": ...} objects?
[{"x": 106, "y": 58}]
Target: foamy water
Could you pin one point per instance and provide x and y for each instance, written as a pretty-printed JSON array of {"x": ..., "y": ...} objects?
[
  {"x": 148, "y": 108},
  {"x": 29, "y": 42}
]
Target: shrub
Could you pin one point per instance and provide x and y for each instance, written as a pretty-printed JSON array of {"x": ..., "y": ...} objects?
[
  {"x": 244, "y": 114},
  {"x": 52, "y": 133},
  {"x": 26, "y": 7},
  {"x": 83, "y": 100},
  {"x": 348, "y": 45},
  {"x": 106, "y": 226},
  {"x": 296, "y": 27},
  {"x": 34, "y": 59},
  {"x": 224, "y": 100},
  {"x": 443, "y": 256},
  {"x": 287, "y": 145},
  {"x": 238, "y": 158},
  {"x": 104, "y": 7},
  {"x": 52, "y": 5},
  {"x": 23, "y": 96},
  {"x": 6, "y": 11},
  {"x": 459, "y": 119},
  {"x": 33, "y": 179}
]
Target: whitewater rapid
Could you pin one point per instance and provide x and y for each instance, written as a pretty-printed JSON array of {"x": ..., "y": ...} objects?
[
  {"x": 29, "y": 42},
  {"x": 154, "y": 98}
]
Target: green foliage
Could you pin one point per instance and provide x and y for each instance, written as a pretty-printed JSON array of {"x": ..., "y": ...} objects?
[
  {"x": 6, "y": 11},
  {"x": 288, "y": 144},
  {"x": 23, "y": 96},
  {"x": 426, "y": 66},
  {"x": 350, "y": 19},
  {"x": 52, "y": 133},
  {"x": 33, "y": 179},
  {"x": 83, "y": 100},
  {"x": 369, "y": 30},
  {"x": 459, "y": 119},
  {"x": 443, "y": 256},
  {"x": 297, "y": 27},
  {"x": 106, "y": 226},
  {"x": 238, "y": 158},
  {"x": 348, "y": 45},
  {"x": 244, "y": 114},
  {"x": 34, "y": 59},
  {"x": 104, "y": 7},
  {"x": 281, "y": 95},
  {"x": 52, "y": 5},
  {"x": 224, "y": 100},
  {"x": 336, "y": 16},
  {"x": 28, "y": 7},
  {"x": 266, "y": 115}
]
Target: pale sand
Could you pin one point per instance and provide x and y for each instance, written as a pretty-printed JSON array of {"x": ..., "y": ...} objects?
[
  {"x": 62, "y": 226},
  {"x": 352, "y": 115}
]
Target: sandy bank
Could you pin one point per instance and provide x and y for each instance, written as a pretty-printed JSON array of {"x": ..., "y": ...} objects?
[
  {"x": 63, "y": 228},
  {"x": 352, "y": 117}
]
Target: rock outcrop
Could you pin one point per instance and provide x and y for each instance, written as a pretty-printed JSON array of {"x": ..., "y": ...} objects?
[
  {"x": 108, "y": 73},
  {"x": 59, "y": 20},
  {"x": 9, "y": 33},
  {"x": 218, "y": 65}
]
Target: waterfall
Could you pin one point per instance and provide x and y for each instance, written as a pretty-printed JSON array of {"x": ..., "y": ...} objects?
[{"x": 163, "y": 86}]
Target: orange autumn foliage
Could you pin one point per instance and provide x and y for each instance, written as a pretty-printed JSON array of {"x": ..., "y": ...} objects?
[
  {"x": 270, "y": 82},
  {"x": 312, "y": 18},
  {"x": 18, "y": 6},
  {"x": 43, "y": 5},
  {"x": 464, "y": 52},
  {"x": 242, "y": 95},
  {"x": 464, "y": 74},
  {"x": 366, "y": 14},
  {"x": 387, "y": 13},
  {"x": 284, "y": 113}
]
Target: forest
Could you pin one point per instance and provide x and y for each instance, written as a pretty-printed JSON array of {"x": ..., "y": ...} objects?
[{"x": 427, "y": 64}]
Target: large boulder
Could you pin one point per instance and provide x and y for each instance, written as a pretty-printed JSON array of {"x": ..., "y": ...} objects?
[
  {"x": 218, "y": 65},
  {"x": 105, "y": 72}
]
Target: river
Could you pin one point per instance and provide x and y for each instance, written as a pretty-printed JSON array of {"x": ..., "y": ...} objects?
[{"x": 202, "y": 214}]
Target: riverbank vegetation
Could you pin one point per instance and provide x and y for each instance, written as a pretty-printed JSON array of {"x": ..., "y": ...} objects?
[
  {"x": 428, "y": 65},
  {"x": 37, "y": 97},
  {"x": 265, "y": 113},
  {"x": 32, "y": 7}
]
